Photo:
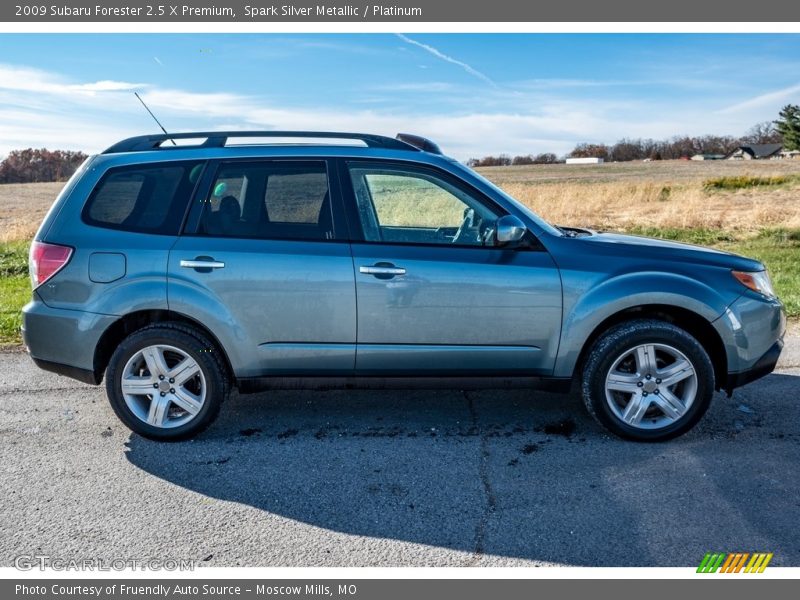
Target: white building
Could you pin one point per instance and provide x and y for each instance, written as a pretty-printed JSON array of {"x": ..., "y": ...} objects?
[{"x": 585, "y": 161}]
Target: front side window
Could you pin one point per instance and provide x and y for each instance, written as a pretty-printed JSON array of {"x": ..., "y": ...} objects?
[
  {"x": 269, "y": 200},
  {"x": 145, "y": 199},
  {"x": 408, "y": 206}
]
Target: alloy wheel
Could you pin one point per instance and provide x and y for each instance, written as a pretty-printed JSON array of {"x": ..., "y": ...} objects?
[
  {"x": 163, "y": 386},
  {"x": 651, "y": 386}
]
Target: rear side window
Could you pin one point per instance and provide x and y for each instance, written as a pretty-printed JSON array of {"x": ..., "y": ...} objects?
[
  {"x": 296, "y": 196},
  {"x": 145, "y": 199},
  {"x": 269, "y": 200}
]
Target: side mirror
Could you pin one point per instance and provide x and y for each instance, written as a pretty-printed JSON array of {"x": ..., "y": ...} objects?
[{"x": 510, "y": 230}]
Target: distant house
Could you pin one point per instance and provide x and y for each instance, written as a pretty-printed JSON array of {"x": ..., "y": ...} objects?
[
  {"x": 708, "y": 157},
  {"x": 756, "y": 152},
  {"x": 585, "y": 161},
  {"x": 790, "y": 154}
]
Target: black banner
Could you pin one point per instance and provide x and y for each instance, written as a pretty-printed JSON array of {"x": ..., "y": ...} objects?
[
  {"x": 401, "y": 589},
  {"x": 472, "y": 11}
]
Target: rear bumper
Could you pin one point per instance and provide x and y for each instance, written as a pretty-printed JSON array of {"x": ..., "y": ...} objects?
[
  {"x": 84, "y": 375},
  {"x": 763, "y": 366},
  {"x": 63, "y": 341}
]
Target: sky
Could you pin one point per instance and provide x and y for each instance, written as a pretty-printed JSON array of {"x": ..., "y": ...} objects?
[{"x": 474, "y": 94}]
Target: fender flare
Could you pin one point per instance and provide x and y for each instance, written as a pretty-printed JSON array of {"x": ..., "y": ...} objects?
[{"x": 625, "y": 292}]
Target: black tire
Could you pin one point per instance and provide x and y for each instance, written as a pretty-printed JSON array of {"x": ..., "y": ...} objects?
[
  {"x": 613, "y": 344},
  {"x": 195, "y": 345}
]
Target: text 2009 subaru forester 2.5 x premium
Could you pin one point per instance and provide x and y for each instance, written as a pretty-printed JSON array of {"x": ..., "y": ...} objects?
[{"x": 228, "y": 260}]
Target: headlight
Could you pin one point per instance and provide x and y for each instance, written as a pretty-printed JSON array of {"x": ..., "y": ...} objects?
[{"x": 758, "y": 281}]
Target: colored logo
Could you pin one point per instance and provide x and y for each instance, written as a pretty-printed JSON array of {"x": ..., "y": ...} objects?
[{"x": 734, "y": 562}]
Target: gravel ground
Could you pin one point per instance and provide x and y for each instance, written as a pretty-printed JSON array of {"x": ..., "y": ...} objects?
[{"x": 433, "y": 478}]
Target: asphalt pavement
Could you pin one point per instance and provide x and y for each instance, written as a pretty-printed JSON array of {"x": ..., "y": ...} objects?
[{"x": 400, "y": 478}]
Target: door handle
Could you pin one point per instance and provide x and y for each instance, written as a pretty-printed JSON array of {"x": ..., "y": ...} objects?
[
  {"x": 202, "y": 263},
  {"x": 382, "y": 269}
]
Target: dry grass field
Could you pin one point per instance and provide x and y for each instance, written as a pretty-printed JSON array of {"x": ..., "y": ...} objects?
[
  {"x": 665, "y": 194},
  {"x": 619, "y": 196},
  {"x": 752, "y": 208},
  {"x": 22, "y": 208}
]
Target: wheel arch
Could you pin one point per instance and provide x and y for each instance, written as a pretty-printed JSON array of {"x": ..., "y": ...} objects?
[
  {"x": 134, "y": 321},
  {"x": 694, "y": 324}
]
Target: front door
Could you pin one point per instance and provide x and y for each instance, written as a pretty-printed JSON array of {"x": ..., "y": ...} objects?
[{"x": 435, "y": 295}]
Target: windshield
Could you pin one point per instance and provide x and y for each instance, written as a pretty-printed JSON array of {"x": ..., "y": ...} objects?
[{"x": 519, "y": 205}]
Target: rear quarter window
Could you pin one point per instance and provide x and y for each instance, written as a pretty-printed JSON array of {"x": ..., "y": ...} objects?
[{"x": 143, "y": 198}]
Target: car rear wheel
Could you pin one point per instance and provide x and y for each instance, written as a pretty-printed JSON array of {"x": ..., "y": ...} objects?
[
  {"x": 166, "y": 382},
  {"x": 647, "y": 380}
]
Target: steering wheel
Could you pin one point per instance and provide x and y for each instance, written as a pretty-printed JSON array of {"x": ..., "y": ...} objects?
[
  {"x": 466, "y": 233},
  {"x": 473, "y": 230}
]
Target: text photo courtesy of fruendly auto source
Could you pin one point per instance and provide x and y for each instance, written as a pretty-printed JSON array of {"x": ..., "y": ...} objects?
[{"x": 400, "y": 300}]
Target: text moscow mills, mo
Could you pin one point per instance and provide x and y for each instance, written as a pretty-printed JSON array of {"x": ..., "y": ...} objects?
[{"x": 188, "y": 11}]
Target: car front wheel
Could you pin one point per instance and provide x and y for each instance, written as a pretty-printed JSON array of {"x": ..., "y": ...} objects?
[
  {"x": 647, "y": 380},
  {"x": 166, "y": 382}
]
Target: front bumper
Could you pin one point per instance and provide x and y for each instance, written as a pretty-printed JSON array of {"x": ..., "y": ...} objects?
[
  {"x": 763, "y": 366},
  {"x": 752, "y": 330}
]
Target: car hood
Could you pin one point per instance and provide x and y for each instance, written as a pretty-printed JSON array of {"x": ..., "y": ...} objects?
[{"x": 670, "y": 250}]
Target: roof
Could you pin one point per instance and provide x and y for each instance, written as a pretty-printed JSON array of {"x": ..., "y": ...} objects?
[
  {"x": 761, "y": 150},
  {"x": 219, "y": 139}
]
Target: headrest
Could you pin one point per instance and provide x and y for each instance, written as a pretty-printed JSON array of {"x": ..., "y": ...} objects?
[{"x": 229, "y": 207}]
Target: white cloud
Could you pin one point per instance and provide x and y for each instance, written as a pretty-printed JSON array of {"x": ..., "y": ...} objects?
[
  {"x": 43, "y": 109},
  {"x": 442, "y": 56},
  {"x": 770, "y": 100},
  {"x": 211, "y": 104},
  {"x": 25, "y": 79},
  {"x": 27, "y": 129},
  {"x": 106, "y": 86}
]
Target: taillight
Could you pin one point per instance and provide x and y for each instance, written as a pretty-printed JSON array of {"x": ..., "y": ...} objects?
[{"x": 46, "y": 260}]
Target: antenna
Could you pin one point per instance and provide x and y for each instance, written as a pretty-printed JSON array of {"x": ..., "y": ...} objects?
[{"x": 138, "y": 97}]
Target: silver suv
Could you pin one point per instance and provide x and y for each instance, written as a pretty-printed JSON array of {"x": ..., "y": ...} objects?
[{"x": 181, "y": 266}]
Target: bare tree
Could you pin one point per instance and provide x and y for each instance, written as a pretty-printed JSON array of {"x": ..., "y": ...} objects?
[
  {"x": 783, "y": 131},
  {"x": 763, "y": 133},
  {"x": 545, "y": 158},
  {"x": 34, "y": 165},
  {"x": 503, "y": 160},
  {"x": 586, "y": 150}
]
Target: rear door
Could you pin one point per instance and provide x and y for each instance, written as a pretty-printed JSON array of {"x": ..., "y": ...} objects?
[
  {"x": 435, "y": 295},
  {"x": 265, "y": 262},
  {"x": 121, "y": 236}
]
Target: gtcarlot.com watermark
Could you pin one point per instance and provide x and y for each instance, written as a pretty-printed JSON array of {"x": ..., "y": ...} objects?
[{"x": 43, "y": 562}]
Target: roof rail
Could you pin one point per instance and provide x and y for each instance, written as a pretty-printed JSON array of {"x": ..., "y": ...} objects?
[
  {"x": 419, "y": 142},
  {"x": 218, "y": 139}
]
